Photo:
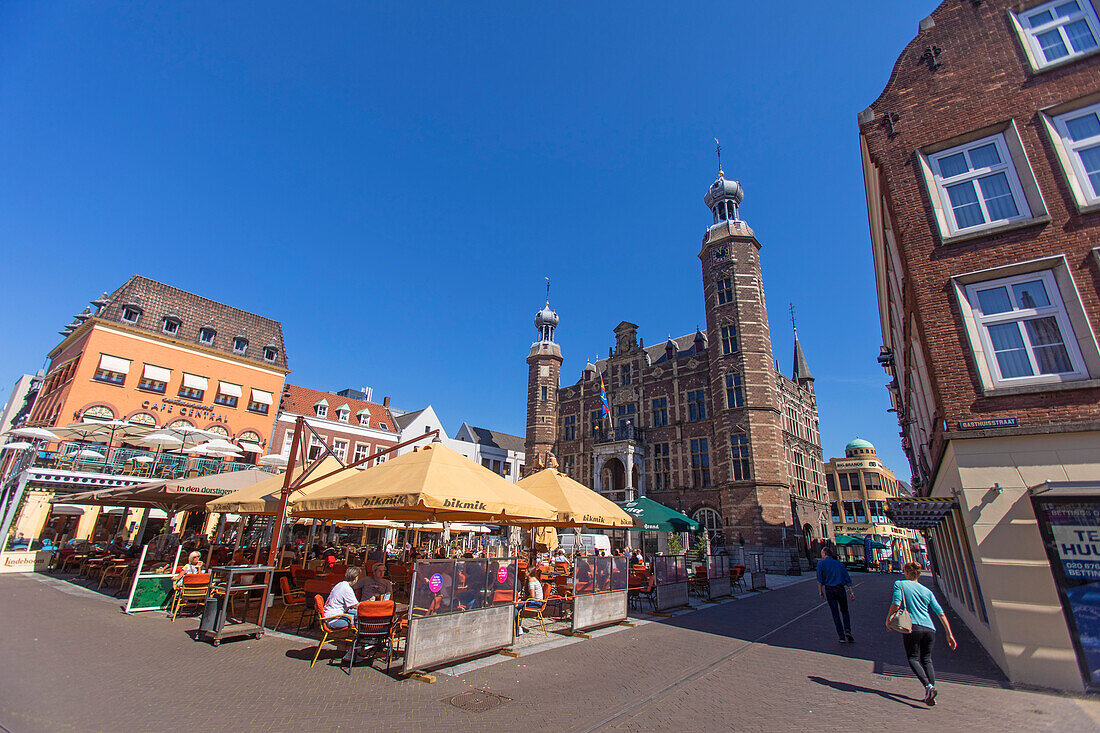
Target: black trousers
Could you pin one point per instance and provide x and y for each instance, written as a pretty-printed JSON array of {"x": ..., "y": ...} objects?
[
  {"x": 838, "y": 604},
  {"x": 918, "y": 647}
]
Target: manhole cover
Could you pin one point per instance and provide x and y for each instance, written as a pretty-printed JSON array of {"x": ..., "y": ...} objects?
[{"x": 477, "y": 701}]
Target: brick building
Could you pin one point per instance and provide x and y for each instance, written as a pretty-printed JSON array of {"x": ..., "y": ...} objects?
[
  {"x": 350, "y": 424},
  {"x": 704, "y": 423},
  {"x": 982, "y": 170}
]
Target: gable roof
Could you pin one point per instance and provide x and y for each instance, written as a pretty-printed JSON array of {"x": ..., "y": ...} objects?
[
  {"x": 157, "y": 300},
  {"x": 496, "y": 439},
  {"x": 406, "y": 419},
  {"x": 685, "y": 346},
  {"x": 300, "y": 400}
]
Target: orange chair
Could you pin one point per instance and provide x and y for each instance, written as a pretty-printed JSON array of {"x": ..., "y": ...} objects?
[
  {"x": 331, "y": 634},
  {"x": 191, "y": 592},
  {"x": 502, "y": 596},
  {"x": 375, "y": 622},
  {"x": 291, "y": 599},
  {"x": 313, "y": 587}
]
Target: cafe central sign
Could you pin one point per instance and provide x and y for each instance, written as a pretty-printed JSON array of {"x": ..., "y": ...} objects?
[{"x": 183, "y": 408}]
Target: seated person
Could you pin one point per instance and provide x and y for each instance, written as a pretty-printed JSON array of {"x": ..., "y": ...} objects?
[
  {"x": 194, "y": 565},
  {"x": 374, "y": 586},
  {"x": 533, "y": 588},
  {"x": 342, "y": 601}
]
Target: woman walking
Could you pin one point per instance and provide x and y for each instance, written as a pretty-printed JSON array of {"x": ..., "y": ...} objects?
[{"x": 920, "y": 602}]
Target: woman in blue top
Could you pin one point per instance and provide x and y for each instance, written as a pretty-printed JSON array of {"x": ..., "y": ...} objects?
[{"x": 921, "y": 604}]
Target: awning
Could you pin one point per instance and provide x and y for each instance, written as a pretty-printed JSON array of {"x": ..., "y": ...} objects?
[
  {"x": 918, "y": 512},
  {"x": 193, "y": 381},
  {"x": 68, "y": 510},
  {"x": 1066, "y": 488},
  {"x": 156, "y": 373},
  {"x": 250, "y": 447},
  {"x": 229, "y": 389},
  {"x": 258, "y": 395},
  {"x": 114, "y": 364},
  {"x": 845, "y": 540},
  {"x": 654, "y": 517}
]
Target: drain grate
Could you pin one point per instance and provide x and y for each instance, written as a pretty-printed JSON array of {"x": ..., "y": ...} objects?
[{"x": 477, "y": 701}]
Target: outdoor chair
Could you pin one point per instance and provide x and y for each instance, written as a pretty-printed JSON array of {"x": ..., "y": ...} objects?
[
  {"x": 191, "y": 592},
  {"x": 559, "y": 603},
  {"x": 291, "y": 599},
  {"x": 375, "y": 623},
  {"x": 115, "y": 571},
  {"x": 313, "y": 587},
  {"x": 699, "y": 583},
  {"x": 330, "y": 634},
  {"x": 737, "y": 575},
  {"x": 535, "y": 609}
]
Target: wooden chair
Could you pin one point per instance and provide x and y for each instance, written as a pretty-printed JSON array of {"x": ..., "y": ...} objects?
[
  {"x": 375, "y": 622},
  {"x": 115, "y": 571},
  {"x": 191, "y": 592},
  {"x": 291, "y": 599},
  {"x": 330, "y": 634}
]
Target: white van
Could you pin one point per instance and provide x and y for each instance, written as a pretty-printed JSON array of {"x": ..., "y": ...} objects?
[{"x": 591, "y": 544}]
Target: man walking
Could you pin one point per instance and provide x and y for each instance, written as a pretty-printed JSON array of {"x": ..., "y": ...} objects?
[{"x": 832, "y": 578}]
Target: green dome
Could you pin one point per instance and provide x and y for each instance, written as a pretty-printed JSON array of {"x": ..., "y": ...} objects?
[{"x": 858, "y": 443}]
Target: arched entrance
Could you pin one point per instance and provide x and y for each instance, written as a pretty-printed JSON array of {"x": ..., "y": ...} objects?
[
  {"x": 613, "y": 475},
  {"x": 809, "y": 540}
]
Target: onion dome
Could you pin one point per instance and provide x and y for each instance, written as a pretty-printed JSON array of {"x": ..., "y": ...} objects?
[{"x": 724, "y": 198}]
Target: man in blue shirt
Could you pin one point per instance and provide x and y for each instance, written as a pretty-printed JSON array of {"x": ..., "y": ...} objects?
[{"x": 832, "y": 578}]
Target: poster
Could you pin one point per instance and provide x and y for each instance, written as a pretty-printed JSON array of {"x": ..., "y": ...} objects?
[{"x": 1071, "y": 531}]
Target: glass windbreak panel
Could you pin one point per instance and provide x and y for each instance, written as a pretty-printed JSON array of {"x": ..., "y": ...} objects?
[
  {"x": 500, "y": 581},
  {"x": 469, "y": 587},
  {"x": 602, "y": 579},
  {"x": 619, "y": 577},
  {"x": 432, "y": 588},
  {"x": 718, "y": 566},
  {"x": 584, "y": 576}
]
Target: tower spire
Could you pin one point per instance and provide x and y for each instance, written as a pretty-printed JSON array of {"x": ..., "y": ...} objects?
[
  {"x": 801, "y": 373},
  {"x": 794, "y": 326},
  {"x": 547, "y": 290},
  {"x": 718, "y": 149}
]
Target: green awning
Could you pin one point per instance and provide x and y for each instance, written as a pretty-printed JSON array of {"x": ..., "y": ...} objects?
[
  {"x": 843, "y": 539},
  {"x": 654, "y": 517}
]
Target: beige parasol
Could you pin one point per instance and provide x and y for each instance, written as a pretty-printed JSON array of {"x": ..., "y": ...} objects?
[
  {"x": 576, "y": 504},
  {"x": 264, "y": 497},
  {"x": 434, "y": 483}
]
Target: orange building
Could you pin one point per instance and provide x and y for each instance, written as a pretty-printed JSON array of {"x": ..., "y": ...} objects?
[{"x": 160, "y": 356}]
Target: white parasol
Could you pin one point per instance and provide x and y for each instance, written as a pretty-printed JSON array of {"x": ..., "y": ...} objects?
[{"x": 33, "y": 434}]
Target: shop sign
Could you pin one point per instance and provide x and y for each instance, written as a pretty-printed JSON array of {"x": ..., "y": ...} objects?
[
  {"x": 24, "y": 562},
  {"x": 991, "y": 422},
  {"x": 1078, "y": 546},
  {"x": 171, "y": 405}
]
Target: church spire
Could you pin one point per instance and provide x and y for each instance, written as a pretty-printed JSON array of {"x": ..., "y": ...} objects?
[{"x": 801, "y": 368}]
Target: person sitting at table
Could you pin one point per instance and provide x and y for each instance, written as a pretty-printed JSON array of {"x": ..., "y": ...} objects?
[
  {"x": 530, "y": 584},
  {"x": 559, "y": 555},
  {"x": 374, "y": 586},
  {"x": 194, "y": 565},
  {"x": 342, "y": 601}
]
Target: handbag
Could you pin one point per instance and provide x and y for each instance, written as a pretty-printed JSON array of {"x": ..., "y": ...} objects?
[{"x": 899, "y": 620}]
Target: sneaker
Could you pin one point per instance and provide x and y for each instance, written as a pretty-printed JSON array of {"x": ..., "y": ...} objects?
[
  {"x": 842, "y": 640},
  {"x": 930, "y": 696},
  {"x": 850, "y": 639}
]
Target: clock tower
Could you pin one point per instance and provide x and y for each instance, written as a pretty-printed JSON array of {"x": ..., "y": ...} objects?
[{"x": 543, "y": 379}]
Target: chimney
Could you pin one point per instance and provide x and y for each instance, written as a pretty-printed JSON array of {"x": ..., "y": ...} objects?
[{"x": 386, "y": 401}]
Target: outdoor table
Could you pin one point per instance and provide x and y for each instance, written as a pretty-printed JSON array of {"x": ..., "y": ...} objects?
[{"x": 215, "y": 612}]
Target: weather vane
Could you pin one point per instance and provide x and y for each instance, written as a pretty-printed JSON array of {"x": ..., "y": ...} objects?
[
  {"x": 718, "y": 149},
  {"x": 794, "y": 326},
  {"x": 547, "y": 290}
]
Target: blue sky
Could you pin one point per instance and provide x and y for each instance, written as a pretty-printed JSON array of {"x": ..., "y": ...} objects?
[{"x": 394, "y": 181}]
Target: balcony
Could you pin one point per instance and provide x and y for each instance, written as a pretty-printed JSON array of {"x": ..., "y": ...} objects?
[
  {"x": 619, "y": 434},
  {"x": 135, "y": 462}
]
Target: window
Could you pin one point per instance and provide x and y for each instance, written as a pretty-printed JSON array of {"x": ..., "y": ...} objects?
[
  {"x": 288, "y": 441},
  {"x": 739, "y": 445},
  {"x": 878, "y": 511},
  {"x": 131, "y": 314},
  {"x": 316, "y": 447},
  {"x": 321, "y": 410},
  {"x": 270, "y": 353},
  {"x": 697, "y": 405},
  {"x": 381, "y": 459},
  {"x": 978, "y": 185},
  {"x": 853, "y": 512},
  {"x": 569, "y": 427},
  {"x": 240, "y": 345},
  {"x": 364, "y": 417},
  {"x": 660, "y": 412},
  {"x": 206, "y": 335},
  {"x": 170, "y": 325},
  {"x": 596, "y": 420},
  {"x": 340, "y": 448},
  {"x": 625, "y": 374},
  {"x": 228, "y": 394},
  {"x": 625, "y": 414},
  {"x": 662, "y": 467},
  {"x": 383, "y": 426},
  {"x": 836, "y": 512},
  {"x": 544, "y": 394},
  {"x": 799, "y": 473},
  {"x": 343, "y": 415},
  {"x": 735, "y": 396},
  {"x": 729, "y": 339},
  {"x": 193, "y": 387},
  {"x": 569, "y": 466},
  {"x": 1024, "y": 332},
  {"x": 709, "y": 520},
  {"x": 154, "y": 379},
  {"x": 829, "y": 483},
  {"x": 725, "y": 290},
  {"x": 849, "y": 481},
  {"x": 109, "y": 376},
  {"x": 362, "y": 450},
  {"x": 700, "y": 463},
  {"x": 1059, "y": 31},
  {"x": 1079, "y": 132},
  {"x": 260, "y": 401}
]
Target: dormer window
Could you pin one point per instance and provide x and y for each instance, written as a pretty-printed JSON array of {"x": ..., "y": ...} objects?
[
  {"x": 206, "y": 335},
  {"x": 364, "y": 417},
  {"x": 320, "y": 408},
  {"x": 130, "y": 313},
  {"x": 240, "y": 345},
  {"x": 383, "y": 426},
  {"x": 170, "y": 325},
  {"x": 270, "y": 353},
  {"x": 342, "y": 415}
]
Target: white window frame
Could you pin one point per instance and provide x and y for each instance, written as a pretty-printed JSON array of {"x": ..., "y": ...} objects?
[
  {"x": 240, "y": 345},
  {"x": 133, "y": 309},
  {"x": 173, "y": 322},
  {"x": 205, "y": 330},
  {"x": 1030, "y": 41},
  {"x": 321, "y": 410},
  {"x": 288, "y": 441},
  {"x": 1079, "y": 341},
  {"x": 364, "y": 420},
  {"x": 1006, "y": 166},
  {"x": 342, "y": 415},
  {"x": 340, "y": 448},
  {"x": 1087, "y": 198},
  {"x": 362, "y": 450}
]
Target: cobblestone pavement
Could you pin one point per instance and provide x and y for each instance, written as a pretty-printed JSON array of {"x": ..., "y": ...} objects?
[{"x": 73, "y": 661}]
